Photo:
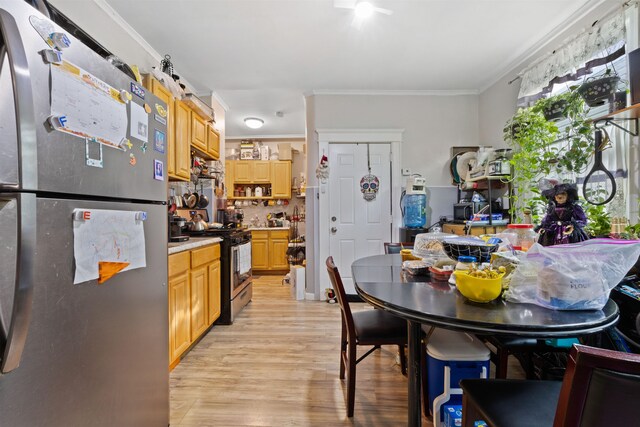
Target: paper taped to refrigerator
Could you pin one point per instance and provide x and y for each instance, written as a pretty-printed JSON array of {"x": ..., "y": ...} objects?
[
  {"x": 104, "y": 241},
  {"x": 85, "y": 106}
]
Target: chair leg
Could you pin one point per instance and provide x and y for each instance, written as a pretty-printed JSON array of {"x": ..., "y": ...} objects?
[
  {"x": 403, "y": 360},
  {"x": 503, "y": 362},
  {"x": 343, "y": 349},
  {"x": 351, "y": 380},
  {"x": 470, "y": 413}
]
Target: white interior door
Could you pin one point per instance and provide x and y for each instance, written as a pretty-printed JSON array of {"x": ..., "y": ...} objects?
[{"x": 357, "y": 227}]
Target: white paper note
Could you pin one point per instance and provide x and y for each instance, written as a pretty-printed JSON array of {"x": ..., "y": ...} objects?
[
  {"x": 86, "y": 106},
  {"x": 139, "y": 122},
  {"x": 106, "y": 236}
]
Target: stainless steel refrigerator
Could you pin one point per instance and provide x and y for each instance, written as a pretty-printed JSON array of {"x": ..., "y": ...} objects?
[{"x": 84, "y": 354}]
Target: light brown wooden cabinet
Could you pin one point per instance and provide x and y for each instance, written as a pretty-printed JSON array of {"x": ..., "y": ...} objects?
[
  {"x": 194, "y": 297},
  {"x": 176, "y": 142},
  {"x": 276, "y": 173},
  {"x": 182, "y": 139},
  {"x": 198, "y": 132},
  {"x": 474, "y": 231},
  {"x": 269, "y": 250},
  {"x": 281, "y": 179},
  {"x": 213, "y": 142}
]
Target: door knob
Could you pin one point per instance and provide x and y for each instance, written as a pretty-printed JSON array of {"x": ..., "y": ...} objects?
[{"x": 334, "y": 229}]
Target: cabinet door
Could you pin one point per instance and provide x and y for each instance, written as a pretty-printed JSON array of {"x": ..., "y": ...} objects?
[
  {"x": 243, "y": 171},
  {"x": 213, "y": 293},
  {"x": 179, "y": 315},
  {"x": 278, "y": 254},
  {"x": 182, "y": 140},
  {"x": 165, "y": 96},
  {"x": 281, "y": 180},
  {"x": 229, "y": 177},
  {"x": 261, "y": 171},
  {"x": 213, "y": 142},
  {"x": 198, "y": 301},
  {"x": 198, "y": 132},
  {"x": 260, "y": 254}
]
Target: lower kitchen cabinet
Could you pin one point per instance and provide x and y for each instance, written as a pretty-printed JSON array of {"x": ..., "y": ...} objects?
[
  {"x": 269, "y": 250},
  {"x": 477, "y": 230},
  {"x": 194, "y": 297}
]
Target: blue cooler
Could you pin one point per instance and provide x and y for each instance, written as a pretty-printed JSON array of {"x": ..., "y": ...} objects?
[{"x": 451, "y": 357}]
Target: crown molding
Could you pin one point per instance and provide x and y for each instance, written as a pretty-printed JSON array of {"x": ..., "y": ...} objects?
[
  {"x": 520, "y": 59},
  {"x": 393, "y": 92},
  {"x": 218, "y": 98},
  {"x": 128, "y": 29},
  {"x": 264, "y": 137}
]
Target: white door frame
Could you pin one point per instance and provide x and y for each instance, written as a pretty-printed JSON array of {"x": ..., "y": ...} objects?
[{"x": 353, "y": 136}]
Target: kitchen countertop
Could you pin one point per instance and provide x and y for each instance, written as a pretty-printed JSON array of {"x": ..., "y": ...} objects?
[
  {"x": 267, "y": 228},
  {"x": 192, "y": 243}
]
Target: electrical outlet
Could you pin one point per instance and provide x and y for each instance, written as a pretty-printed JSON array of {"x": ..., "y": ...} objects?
[{"x": 406, "y": 171}]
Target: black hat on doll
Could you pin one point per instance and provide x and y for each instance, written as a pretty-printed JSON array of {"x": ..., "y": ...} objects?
[{"x": 570, "y": 189}]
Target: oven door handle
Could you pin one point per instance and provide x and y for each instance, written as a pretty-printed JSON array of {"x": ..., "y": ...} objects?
[{"x": 234, "y": 256}]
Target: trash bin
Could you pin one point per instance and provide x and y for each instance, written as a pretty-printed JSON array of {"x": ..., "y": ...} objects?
[
  {"x": 451, "y": 357},
  {"x": 297, "y": 282}
]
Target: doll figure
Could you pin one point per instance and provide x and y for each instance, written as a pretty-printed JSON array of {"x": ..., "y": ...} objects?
[{"x": 565, "y": 220}]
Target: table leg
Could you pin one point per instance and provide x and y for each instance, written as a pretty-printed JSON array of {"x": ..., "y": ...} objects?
[{"x": 413, "y": 342}]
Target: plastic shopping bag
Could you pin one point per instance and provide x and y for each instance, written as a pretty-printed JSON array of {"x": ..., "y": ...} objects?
[{"x": 577, "y": 276}]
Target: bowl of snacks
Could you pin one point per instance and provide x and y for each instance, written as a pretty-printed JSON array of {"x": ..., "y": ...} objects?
[
  {"x": 430, "y": 244},
  {"x": 480, "y": 285}
]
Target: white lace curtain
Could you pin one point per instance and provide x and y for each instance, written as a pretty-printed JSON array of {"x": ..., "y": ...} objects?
[{"x": 575, "y": 53}]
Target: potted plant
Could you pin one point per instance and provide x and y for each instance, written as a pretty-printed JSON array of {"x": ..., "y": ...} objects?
[
  {"x": 597, "y": 90},
  {"x": 561, "y": 106},
  {"x": 599, "y": 221},
  {"x": 531, "y": 137}
]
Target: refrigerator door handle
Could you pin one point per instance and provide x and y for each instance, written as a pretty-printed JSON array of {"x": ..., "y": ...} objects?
[
  {"x": 23, "y": 95},
  {"x": 24, "y": 280}
]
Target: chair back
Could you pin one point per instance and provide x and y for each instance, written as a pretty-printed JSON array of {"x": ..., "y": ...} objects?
[
  {"x": 395, "y": 247},
  {"x": 338, "y": 287},
  {"x": 600, "y": 387}
]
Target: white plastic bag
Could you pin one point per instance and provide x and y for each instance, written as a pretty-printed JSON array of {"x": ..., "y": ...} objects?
[{"x": 577, "y": 276}]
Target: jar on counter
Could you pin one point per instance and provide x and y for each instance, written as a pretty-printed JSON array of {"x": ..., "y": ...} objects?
[
  {"x": 521, "y": 236},
  {"x": 465, "y": 263}
]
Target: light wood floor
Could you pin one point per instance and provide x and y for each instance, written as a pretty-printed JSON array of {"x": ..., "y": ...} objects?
[{"x": 278, "y": 365}]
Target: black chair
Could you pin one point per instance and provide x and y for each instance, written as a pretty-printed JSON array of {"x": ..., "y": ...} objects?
[
  {"x": 369, "y": 327},
  {"x": 503, "y": 346},
  {"x": 600, "y": 388},
  {"x": 395, "y": 248}
]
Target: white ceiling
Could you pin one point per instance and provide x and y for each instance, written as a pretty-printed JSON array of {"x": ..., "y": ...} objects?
[{"x": 260, "y": 56}]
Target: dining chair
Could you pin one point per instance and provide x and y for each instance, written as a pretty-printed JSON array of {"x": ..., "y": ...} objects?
[
  {"x": 600, "y": 388},
  {"x": 395, "y": 247},
  {"x": 369, "y": 328},
  {"x": 502, "y": 346}
]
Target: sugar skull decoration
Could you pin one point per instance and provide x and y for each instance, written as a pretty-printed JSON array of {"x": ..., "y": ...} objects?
[{"x": 369, "y": 185}]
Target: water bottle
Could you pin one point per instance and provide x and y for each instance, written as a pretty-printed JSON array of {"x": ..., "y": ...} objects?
[{"x": 414, "y": 208}]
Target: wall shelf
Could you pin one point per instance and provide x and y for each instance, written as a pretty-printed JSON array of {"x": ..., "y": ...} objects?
[{"x": 629, "y": 114}]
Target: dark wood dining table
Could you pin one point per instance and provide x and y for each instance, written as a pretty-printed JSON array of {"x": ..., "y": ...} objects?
[{"x": 381, "y": 282}]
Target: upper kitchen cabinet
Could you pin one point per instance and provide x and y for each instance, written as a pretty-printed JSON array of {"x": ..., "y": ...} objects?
[
  {"x": 198, "y": 132},
  {"x": 177, "y": 148},
  {"x": 182, "y": 139},
  {"x": 213, "y": 142},
  {"x": 281, "y": 179},
  {"x": 261, "y": 171},
  {"x": 243, "y": 171}
]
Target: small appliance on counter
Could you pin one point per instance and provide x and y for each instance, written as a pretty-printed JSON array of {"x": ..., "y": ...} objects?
[{"x": 176, "y": 225}]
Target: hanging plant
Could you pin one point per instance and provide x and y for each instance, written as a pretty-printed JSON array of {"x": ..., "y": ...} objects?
[{"x": 596, "y": 91}]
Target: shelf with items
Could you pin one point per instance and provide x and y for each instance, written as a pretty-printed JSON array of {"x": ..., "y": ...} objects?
[
  {"x": 248, "y": 191},
  {"x": 491, "y": 184}
]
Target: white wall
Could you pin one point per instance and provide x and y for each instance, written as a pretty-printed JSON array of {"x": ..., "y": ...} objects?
[{"x": 432, "y": 124}]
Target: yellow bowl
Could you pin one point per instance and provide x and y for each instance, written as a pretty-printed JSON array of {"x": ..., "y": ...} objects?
[{"x": 478, "y": 289}]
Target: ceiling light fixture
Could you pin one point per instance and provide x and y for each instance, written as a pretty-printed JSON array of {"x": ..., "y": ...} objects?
[
  {"x": 363, "y": 9},
  {"x": 253, "y": 122}
]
